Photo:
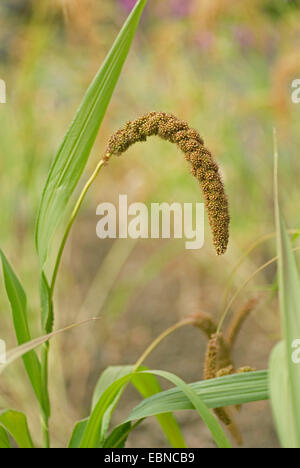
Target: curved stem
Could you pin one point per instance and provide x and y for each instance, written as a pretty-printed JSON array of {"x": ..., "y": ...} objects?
[
  {"x": 160, "y": 338},
  {"x": 72, "y": 219}
]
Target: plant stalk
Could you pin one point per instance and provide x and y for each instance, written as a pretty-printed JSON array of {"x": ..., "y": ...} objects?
[
  {"x": 160, "y": 338},
  {"x": 99, "y": 166},
  {"x": 45, "y": 350},
  {"x": 45, "y": 413}
]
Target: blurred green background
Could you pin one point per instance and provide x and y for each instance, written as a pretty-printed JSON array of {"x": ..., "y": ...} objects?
[{"x": 224, "y": 66}]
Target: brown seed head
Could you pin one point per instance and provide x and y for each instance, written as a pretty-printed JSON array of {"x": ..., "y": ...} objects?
[
  {"x": 217, "y": 356},
  {"x": 203, "y": 166},
  {"x": 205, "y": 323}
]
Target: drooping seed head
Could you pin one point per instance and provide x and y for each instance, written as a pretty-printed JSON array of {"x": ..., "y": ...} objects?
[
  {"x": 205, "y": 323},
  {"x": 203, "y": 166},
  {"x": 217, "y": 356}
]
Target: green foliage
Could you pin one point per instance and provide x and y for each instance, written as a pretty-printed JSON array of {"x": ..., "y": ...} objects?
[
  {"x": 230, "y": 390},
  {"x": 77, "y": 434},
  {"x": 73, "y": 154},
  {"x": 285, "y": 374},
  {"x": 97, "y": 425},
  {"x": 18, "y": 302},
  {"x": 146, "y": 385},
  {"x": 4, "y": 440},
  {"x": 16, "y": 424},
  {"x": 280, "y": 395},
  {"x": 280, "y": 384}
]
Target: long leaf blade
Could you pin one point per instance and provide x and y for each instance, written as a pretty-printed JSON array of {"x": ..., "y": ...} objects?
[
  {"x": 289, "y": 302},
  {"x": 211, "y": 422},
  {"x": 73, "y": 154},
  {"x": 4, "y": 440},
  {"x": 18, "y": 302},
  {"x": 93, "y": 429},
  {"x": 77, "y": 433},
  {"x": 97, "y": 422},
  {"x": 289, "y": 298},
  {"x": 230, "y": 390},
  {"x": 280, "y": 390},
  {"x": 14, "y": 354},
  {"x": 146, "y": 385},
  {"x": 118, "y": 436},
  {"x": 15, "y": 423}
]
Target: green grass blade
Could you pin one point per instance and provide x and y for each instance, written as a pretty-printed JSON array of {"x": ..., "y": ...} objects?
[
  {"x": 16, "y": 424},
  {"x": 211, "y": 422},
  {"x": 280, "y": 391},
  {"x": 97, "y": 424},
  {"x": 77, "y": 434},
  {"x": 230, "y": 390},
  {"x": 108, "y": 377},
  {"x": 14, "y": 354},
  {"x": 4, "y": 440},
  {"x": 146, "y": 385},
  {"x": 73, "y": 154},
  {"x": 289, "y": 302},
  {"x": 94, "y": 427},
  {"x": 118, "y": 436},
  {"x": 46, "y": 304},
  {"x": 18, "y": 302}
]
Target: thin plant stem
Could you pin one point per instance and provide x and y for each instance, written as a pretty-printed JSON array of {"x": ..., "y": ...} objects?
[
  {"x": 44, "y": 414},
  {"x": 45, "y": 351},
  {"x": 276, "y": 192},
  {"x": 85, "y": 189},
  {"x": 160, "y": 338}
]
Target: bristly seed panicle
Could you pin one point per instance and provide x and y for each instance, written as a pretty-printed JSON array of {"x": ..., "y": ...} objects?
[{"x": 203, "y": 166}]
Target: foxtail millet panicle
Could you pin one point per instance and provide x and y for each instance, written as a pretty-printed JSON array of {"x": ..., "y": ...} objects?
[
  {"x": 204, "y": 168},
  {"x": 205, "y": 323},
  {"x": 218, "y": 363},
  {"x": 217, "y": 356}
]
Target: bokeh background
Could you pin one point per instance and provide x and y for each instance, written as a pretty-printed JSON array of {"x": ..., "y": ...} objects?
[{"x": 224, "y": 66}]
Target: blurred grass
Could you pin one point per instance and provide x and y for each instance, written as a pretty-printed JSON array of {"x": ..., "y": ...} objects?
[{"x": 226, "y": 67}]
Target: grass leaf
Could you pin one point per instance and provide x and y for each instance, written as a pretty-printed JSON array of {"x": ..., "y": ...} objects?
[
  {"x": 118, "y": 436},
  {"x": 47, "y": 315},
  {"x": 108, "y": 377},
  {"x": 280, "y": 391},
  {"x": 73, "y": 154},
  {"x": 18, "y": 302},
  {"x": 16, "y": 424},
  {"x": 94, "y": 427},
  {"x": 146, "y": 385},
  {"x": 286, "y": 392},
  {"x": 77, "y": 433},
  {"x": 230, "y": 390},
  {"x": 4, "y": 440},
  {"x": 21, "y": 350},
  {"x": 211, "y": 422}
]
